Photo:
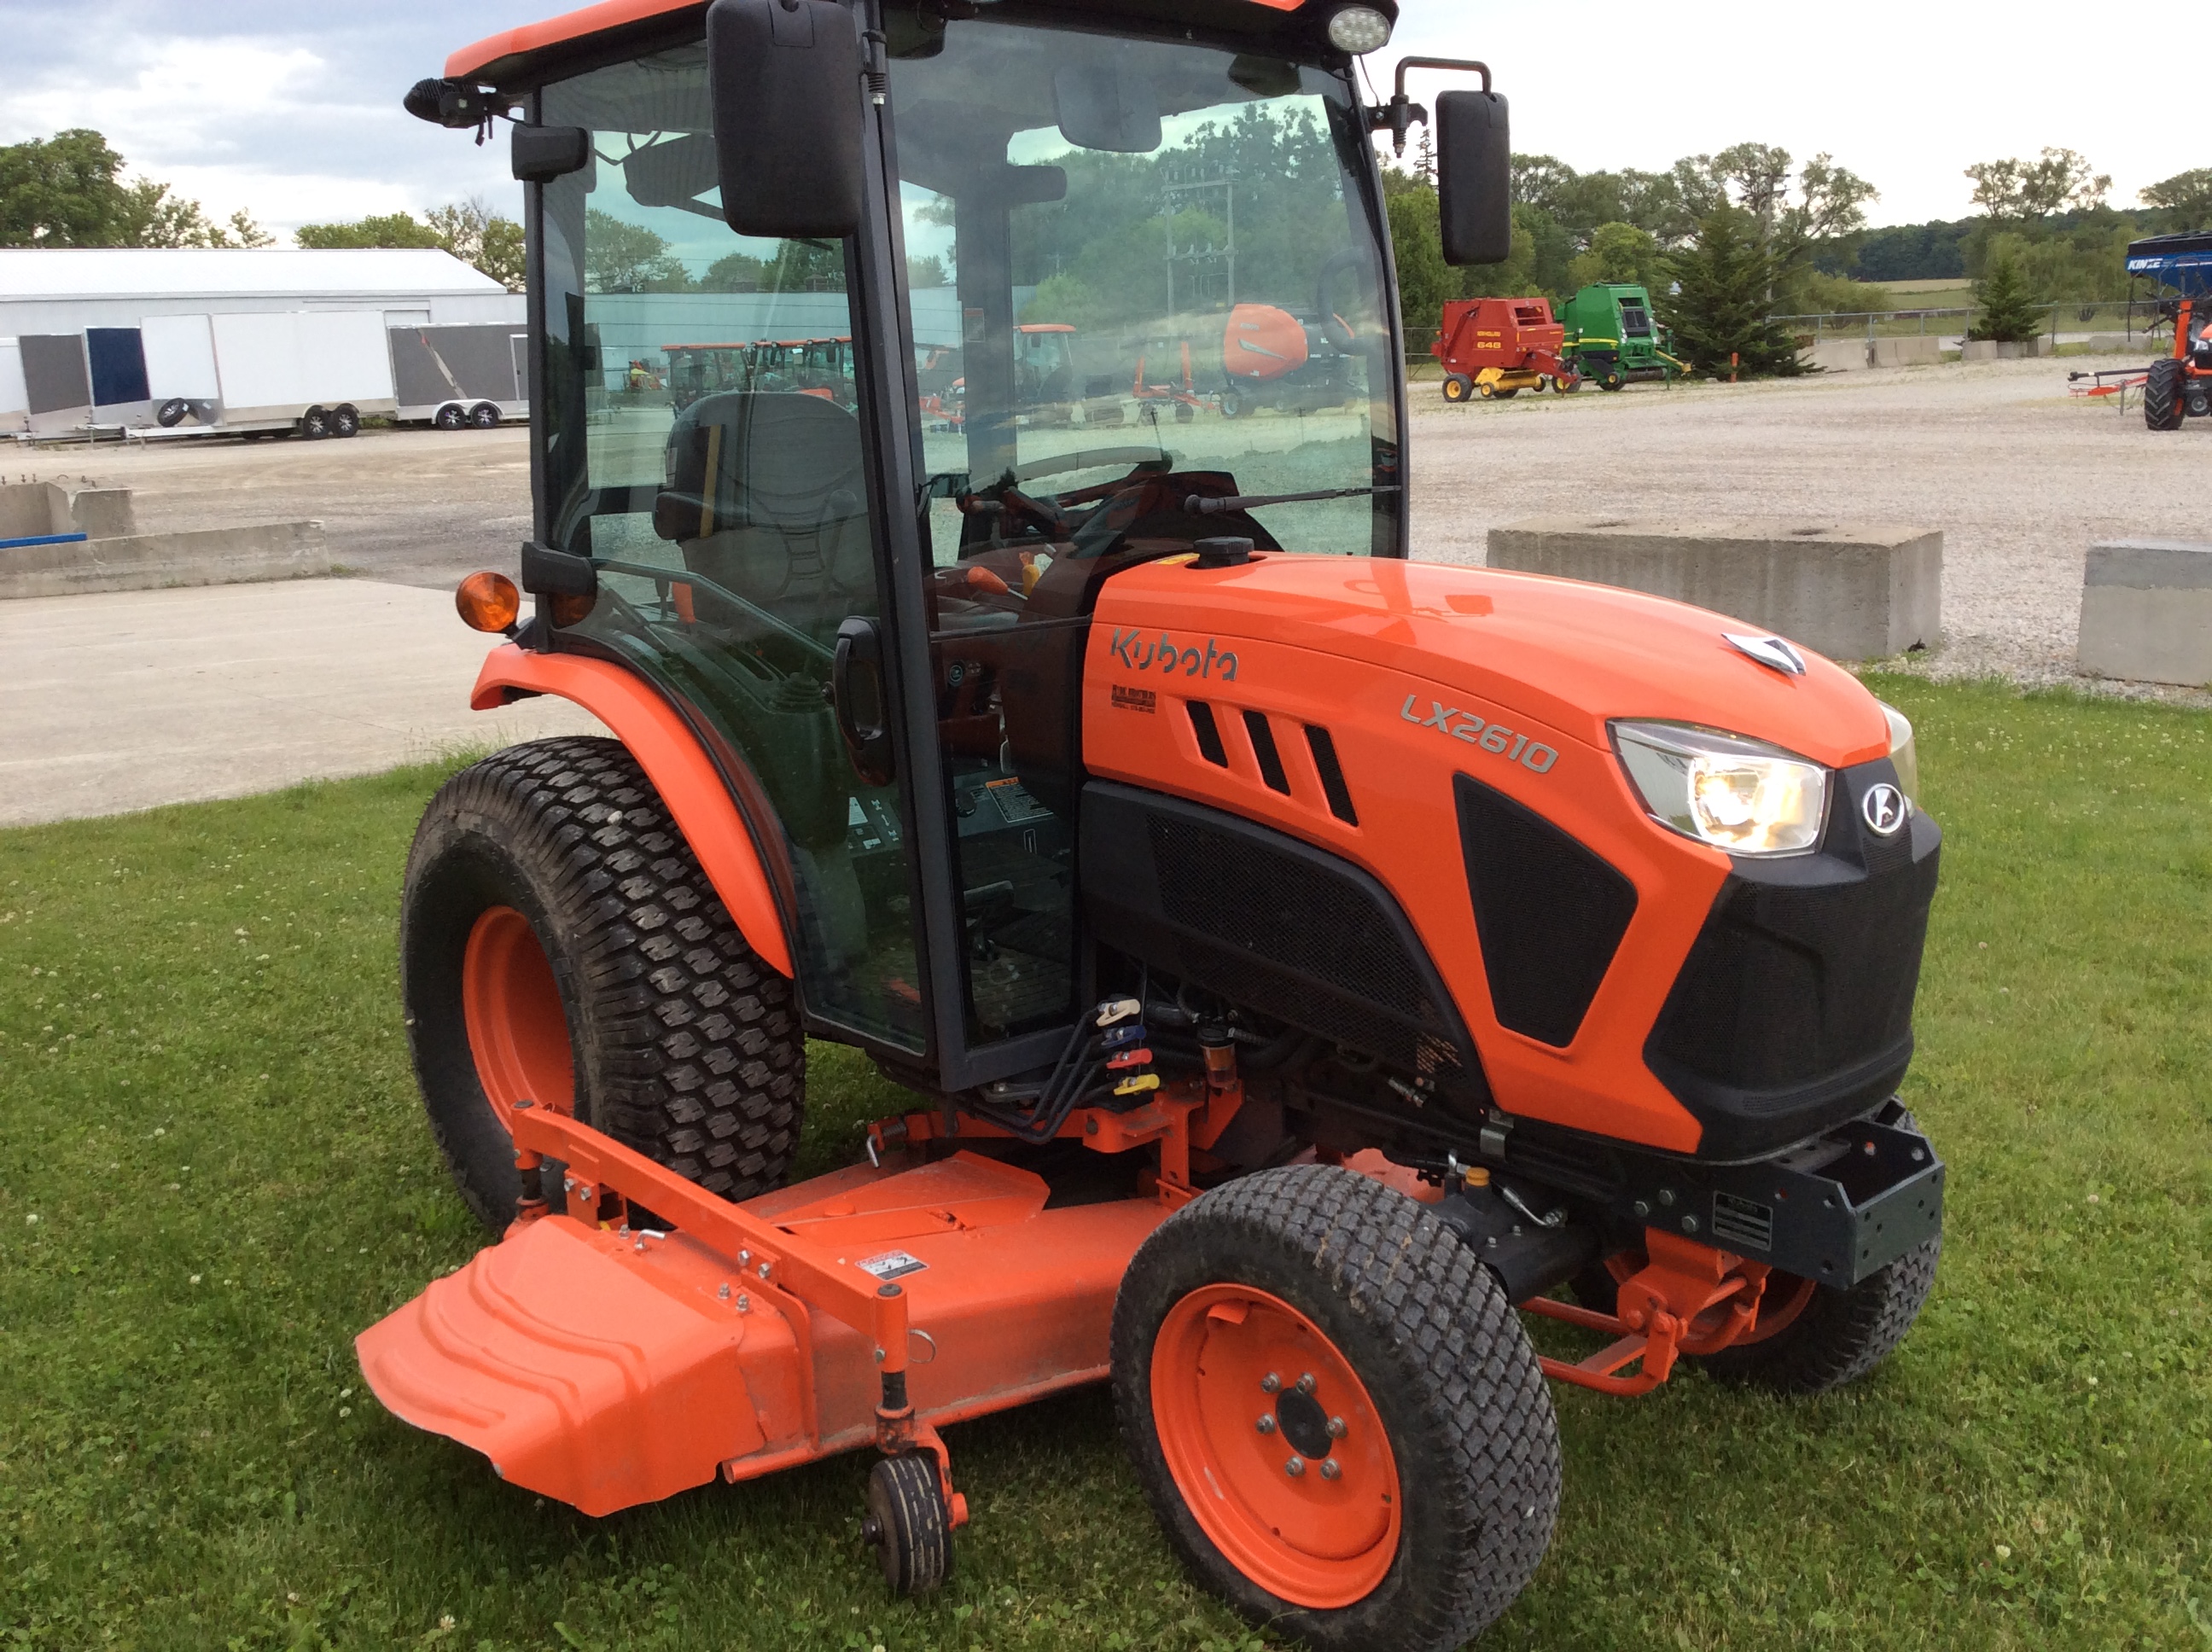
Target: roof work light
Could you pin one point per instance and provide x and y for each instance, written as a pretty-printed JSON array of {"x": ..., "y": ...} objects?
[{"x": 1358, "y": 30}]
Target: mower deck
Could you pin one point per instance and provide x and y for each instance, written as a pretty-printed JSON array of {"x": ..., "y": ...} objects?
[{"x": 610, "y": 1364}]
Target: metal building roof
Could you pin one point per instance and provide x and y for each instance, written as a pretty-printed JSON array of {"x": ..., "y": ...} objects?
[{"x": 171, "y": 273}]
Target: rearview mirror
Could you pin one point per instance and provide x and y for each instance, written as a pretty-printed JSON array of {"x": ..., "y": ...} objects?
[
  {"x": 1474, "y": 178},
  {"x": 1107, "y": 109},
  {"x": 784, "y": 81}
]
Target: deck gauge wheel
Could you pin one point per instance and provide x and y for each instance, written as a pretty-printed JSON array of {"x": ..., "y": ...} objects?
[{"x": 908, "y": 1525}]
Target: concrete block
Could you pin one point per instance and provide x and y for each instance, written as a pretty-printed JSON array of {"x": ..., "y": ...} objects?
[
  {"x": 2147, "y": 611},
  {"x": 1853, "y": 590},
  {"x": 102, "y": 513},
  {"x": 2120, "y": 343},
  {"x": 1915, "y": 349},
  {"x": 1835, "y": 354},
  {"x": 1989, "y": 349},
  {"x": 274, "y": 551},
  {"x": 28, "y": 509}
]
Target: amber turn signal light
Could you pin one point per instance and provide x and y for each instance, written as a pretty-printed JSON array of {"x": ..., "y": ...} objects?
[{"x": 488, "y": 602}]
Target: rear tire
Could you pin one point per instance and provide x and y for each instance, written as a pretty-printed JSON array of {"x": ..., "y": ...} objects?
[
  {"x": 2162, "y": 395},
  {"x": 549, "y": 892},
  {"x": 1415, "y": 1348},
  {"x": 345, "y": 420}
]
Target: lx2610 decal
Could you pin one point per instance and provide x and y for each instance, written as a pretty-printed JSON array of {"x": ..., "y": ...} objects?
[{"x": 1535, "y": 757}]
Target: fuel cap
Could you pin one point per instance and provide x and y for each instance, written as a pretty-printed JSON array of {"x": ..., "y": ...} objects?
[{"x": 1223, "y": 553}]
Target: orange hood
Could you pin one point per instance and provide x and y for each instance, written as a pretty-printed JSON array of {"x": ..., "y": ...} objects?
[{"x": 1569, "y": 654}]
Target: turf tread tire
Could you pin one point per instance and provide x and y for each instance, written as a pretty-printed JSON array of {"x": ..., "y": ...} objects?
[
  {"x": 1442, "y": 1356},
  {"x": 686, "y": 1046},
  {"x": 2162, "y": 395},
  {"x": 908, "y": 1525}
]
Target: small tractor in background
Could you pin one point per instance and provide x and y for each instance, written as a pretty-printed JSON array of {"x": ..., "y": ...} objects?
[
  {"x": 1611, "y": 337},
  {"x": 2179, "y": 385},
  {"x": 1496, "y": 347}
]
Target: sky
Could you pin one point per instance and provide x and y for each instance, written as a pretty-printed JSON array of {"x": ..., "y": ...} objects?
[{"x": 291, "y": 111}]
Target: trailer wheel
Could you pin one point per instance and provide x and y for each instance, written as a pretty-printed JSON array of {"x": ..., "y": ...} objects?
[
  {"x": 1233, "y": 404},
  {"x": 2162, "y": 395},
  {"x": 907, "y": 1524},
  {"x": 174, "y": 413},
  {"x": 1507, "y": 392},
  {"x": 1612, "y": 380},
  {"x": 345, "y": 420},
  {"x": 1458, "y": 387},
  {"x": 483, "y": 415},
  {"x": 559, "y": 944},
  {"x": 449, "y": 417},
  {"x": 314, "y": 424},
  {"x": 1334, "y": 1411}
]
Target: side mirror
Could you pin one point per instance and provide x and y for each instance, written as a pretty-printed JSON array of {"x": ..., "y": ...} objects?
[
  {"x": 784, "y": 84},
  {"x": 539, "y": 154},
  {"x": 1474, "y": 178},
  {"x": 1105, "y": 109}
]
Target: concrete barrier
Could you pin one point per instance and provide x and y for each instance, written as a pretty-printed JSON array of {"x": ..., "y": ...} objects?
[
  {"x": 1849, "y": 590},
  {"x": 1989, "y": 349},
  {"x": 1917, "y": 350},
  {"x": 145, "y": 561},
  {"x": 2120, "y": 343},
  {"x": 29, "y": 510},
  {"x": 2147, "y": 611},
  {"x": 1835, "y": 354}
]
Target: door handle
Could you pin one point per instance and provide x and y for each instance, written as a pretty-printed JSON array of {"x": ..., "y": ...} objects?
[{"x": 856, "y": 695}]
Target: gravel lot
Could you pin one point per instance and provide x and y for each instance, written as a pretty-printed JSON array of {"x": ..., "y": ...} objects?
[{"x": 2021, "y": 476}]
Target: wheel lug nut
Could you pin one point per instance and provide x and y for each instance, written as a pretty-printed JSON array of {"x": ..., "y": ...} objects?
[
  {"x": 1336, "y": 1428},
  {"x": 1329, "y": 1470},
  {"x": 1306, "y": 1383},
  {"x": 1296, "y": 1467},
  {"x": 1266, "y": 1423},
  {"x": 1270, "y": 1383}
]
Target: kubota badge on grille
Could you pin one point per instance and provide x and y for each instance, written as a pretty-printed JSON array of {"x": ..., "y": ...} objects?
[{"x": 1884, "y": 809}]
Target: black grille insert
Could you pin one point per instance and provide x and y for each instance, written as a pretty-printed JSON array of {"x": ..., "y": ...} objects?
[
  {"x": 1209, "y": 735},
  {"x": 1331, "y": 775},
  {"x": 1550, "y": 912},
  {"x": 1263, "y": 748}
]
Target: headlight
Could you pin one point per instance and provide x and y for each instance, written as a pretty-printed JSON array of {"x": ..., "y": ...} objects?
[
  {"x": 1358, "y": 30},
  {"x": 1903, "y": 752},
  {"x": 1737, "y": 794}
]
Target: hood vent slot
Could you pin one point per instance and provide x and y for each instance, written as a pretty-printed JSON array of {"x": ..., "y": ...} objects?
[
  {"x": 1263, "y": 748},
  {"x": 1331, "y": 775},
  {"x": 1209, "y": 736}
]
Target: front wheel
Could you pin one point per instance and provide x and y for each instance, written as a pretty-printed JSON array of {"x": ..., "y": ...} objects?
[
  {"x": 314, "y": 424},
  {"x": 1458, "y": 387},
  {"x": 1334, "y": 1411},
  {"x": 559, "y": 944},
  {"x": 449, "y": 417},
  {"x": 2162, "y": 388}
]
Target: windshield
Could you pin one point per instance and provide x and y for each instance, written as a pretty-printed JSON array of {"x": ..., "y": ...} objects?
[{"x": 1142, "y": 273}]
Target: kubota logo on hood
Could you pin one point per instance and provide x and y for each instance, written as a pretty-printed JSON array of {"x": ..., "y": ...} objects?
[{"x": 1165, "y": 653}]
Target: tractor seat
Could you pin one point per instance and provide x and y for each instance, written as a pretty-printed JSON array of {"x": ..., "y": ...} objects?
[{"x": 769, "y": 500}]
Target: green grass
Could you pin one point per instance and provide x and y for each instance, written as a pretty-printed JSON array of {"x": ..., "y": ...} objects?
[{"x": 205, "y": 1105}]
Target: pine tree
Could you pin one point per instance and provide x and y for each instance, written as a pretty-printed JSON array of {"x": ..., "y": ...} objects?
[
  {"x": 1719, "y": 306},
  {"x": 2005, "y": 309}
]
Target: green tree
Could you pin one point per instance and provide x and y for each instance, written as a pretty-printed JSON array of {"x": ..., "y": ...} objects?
[
  {"x": 2021, "y": 192},
  {"x": 69, "y": 191},
  {"x": 2005, "y": 305},
  {"x": 2183, "y": 202},
  {"x": 477, "y": 235},
  {"x": 734, "y": 272},
  {"x": 1618, "y": 251},
  {"x": 926, "y": 270},
  {"x": 1425, "y": 282},
  {"x": 621, "y": 257},
  {"x": 381, "y": 229},
  {"x": 1719, "y": 307}
]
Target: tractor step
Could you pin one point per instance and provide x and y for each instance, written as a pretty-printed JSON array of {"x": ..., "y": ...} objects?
[{"x": 609, "y": 1367}]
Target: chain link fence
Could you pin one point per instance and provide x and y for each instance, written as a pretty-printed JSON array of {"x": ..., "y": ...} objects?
[{"x": 2120, "y": 323}]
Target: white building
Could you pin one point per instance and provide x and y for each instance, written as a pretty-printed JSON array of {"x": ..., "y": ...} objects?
[{"x": 66, "y": 290}]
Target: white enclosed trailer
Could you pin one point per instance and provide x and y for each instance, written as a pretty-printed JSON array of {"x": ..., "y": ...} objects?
[
  {"x": 317, "y": 373},
  {"x": 14, "y": 397}
]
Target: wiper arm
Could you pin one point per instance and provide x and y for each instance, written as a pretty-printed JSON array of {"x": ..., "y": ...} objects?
[{"x": 1197, "y": 505}]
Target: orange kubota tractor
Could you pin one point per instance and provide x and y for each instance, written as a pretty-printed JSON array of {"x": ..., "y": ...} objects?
[{"x": 1301, "y": 957}]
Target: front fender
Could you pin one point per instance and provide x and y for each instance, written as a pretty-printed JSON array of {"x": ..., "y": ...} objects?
[{"x": 675, "y": 762}]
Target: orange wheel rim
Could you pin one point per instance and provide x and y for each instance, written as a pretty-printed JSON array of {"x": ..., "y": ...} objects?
[
  {"x": 518, "y": 1032},
  {"x": 1279, "y": 1452},
  {"x": 1784, "y": 1299}
]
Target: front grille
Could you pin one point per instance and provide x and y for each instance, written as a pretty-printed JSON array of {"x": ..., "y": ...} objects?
[{"x": 1794, "y": 1009}]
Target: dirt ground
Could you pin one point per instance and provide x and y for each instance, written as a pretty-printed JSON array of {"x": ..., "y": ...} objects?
[{"x": 2020, "y": 476}]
